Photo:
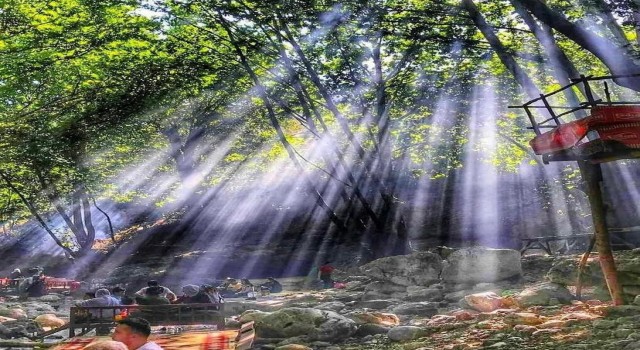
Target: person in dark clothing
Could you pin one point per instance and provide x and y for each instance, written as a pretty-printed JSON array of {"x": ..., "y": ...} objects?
[
  {"x": 35, "y": 286},
  {"x": 272, "y": 286},
  {"x": 154, "y": 296}
]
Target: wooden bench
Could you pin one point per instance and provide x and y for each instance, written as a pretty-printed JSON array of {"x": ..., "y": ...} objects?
[
  {"x": 104, "y": 317},
  {"x": 571, "y": 242}
]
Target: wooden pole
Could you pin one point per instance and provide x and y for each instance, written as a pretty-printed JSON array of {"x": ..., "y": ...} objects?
[{"x": 592, "y": 178}]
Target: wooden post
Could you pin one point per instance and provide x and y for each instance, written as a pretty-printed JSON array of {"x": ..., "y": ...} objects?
[{"x": 592, "y": 178}]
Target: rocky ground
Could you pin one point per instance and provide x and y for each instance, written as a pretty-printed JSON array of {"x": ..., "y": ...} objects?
[{"x": 447, "y": 299}]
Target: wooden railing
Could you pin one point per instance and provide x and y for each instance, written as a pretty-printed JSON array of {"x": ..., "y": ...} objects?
[{"x": 105, "y": 317}]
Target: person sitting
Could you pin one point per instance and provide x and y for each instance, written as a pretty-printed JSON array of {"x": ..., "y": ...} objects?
[
  {"x": 15, "y": 274},
  {"x": 34, "y": 286},
  {"x": 189, "y": 292},
  {"x": 270, "y": 286},
  {"x": 166, "y": 292},
  {"x": 134, "y": 333},
  {"x": 118, "y": 292},
  {"x": 154, "y": 295},
  {"x": 213, "y": 293},
  {"x": 230, "y": 287},
  {"x": 102, "y": 299}
]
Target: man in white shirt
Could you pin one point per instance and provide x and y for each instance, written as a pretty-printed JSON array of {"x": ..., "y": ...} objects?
[{"x": 134, "y": 333}]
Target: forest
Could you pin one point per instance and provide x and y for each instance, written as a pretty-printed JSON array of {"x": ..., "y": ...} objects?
[{"x": 329, "y": 123}]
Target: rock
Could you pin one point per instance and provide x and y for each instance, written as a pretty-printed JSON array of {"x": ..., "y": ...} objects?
[
  {"x": 416, "y": 269},
  {"x": 371, "y": 329},
  {"x": 523, "y": 318},
  {"x": 545, "y": 293},
  {"x": 335, "y": 306},
  {"x": 292, "y": 322},
  {"x": 419, "y": 309},
  {"x": 384, "y": 287},
  {"x": 49, "y": 320},
  {"x": 405, "y": 333},
  {"x": 49, "y": 298},
  {"x": 252, "y": 315},
  {"x": 622, "y": 311},
  {"x": 439, "y": 320},
  {"x": 454, "y": 297},
  {"x": 13, "y": 313},
  {"x": 377, "y": 304},
  {"x": 479, "y": 264},
  {"x": 5, "y": 332},
  {"x": 418, "y": 293},
  {"x": 552, "y": 324},
  {"x": 6, "y": 319},
  {"x": 293, "y": 347},
  {"x": 379, "y": 318},
  {"x": 484, "y": 302}
]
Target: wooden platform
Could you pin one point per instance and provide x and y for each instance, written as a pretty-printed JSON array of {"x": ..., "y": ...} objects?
[{"x": 571, "y": 243}]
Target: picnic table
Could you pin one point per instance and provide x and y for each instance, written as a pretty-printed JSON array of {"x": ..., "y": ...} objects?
[{"x": 175, "y": 326}]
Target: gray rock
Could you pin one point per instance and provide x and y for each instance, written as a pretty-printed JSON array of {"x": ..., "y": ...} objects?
[
  {"x": 479, "y": 264},
  {"x": 384, "y": 287},
  {"x": 420, "y": 268},
  {"x": 293, "y": 322},
  {"x": 377, "y": 304},
  {"x": 623, "y": 311},
  {"x": 370, "y": 329},
  {"x": 544, "y": 294},
  {"x": 418, "y": 293},
  {"x": 418, "y": 309},
  {"x": 405, "y": 333},
  {"x": 335, "y": 306}
]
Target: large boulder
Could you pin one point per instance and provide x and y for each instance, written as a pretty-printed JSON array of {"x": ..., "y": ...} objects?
[
  {"x": 425, "y": 309},
  {"x": 545, "y": 293},
  {"x": 484, "y": 302},
  {"x": 379, "y": 318},
  {"x": 49, "y": 320},
  {"x": 416, "y": 269},
  {"x": 479, "y": 264},
  {"x": 405, "y": 333},
  {"x": 293, "y": 322}
]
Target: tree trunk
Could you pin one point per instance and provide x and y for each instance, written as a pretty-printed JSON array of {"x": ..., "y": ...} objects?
[
  {"x": 618, "y": 60},
  {"x": 88, "y": 222},
  {"x": 35, "y": 213},
  {"x": 276, "y": 125},
  {"x": 602, "y": 10},
  {"x": 507, "y": 59},
  {"x": 562, "y": 67},
  {"x": 592, "y": 177}
]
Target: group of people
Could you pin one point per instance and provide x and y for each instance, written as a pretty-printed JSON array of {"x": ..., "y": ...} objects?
[
  {"x": 238, "y": 288},
  {"x": 155, "y": 294},
  {"x": 31, "y": 284},
  {"x": 152, "y": 294}
]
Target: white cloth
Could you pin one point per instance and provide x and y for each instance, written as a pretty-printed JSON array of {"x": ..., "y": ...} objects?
[{"x": 150, "y": 346}]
